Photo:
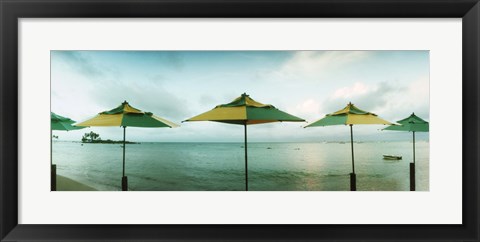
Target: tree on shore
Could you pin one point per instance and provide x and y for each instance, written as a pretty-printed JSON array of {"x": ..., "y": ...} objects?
[
  {"x": 94, "y": 138},
  {"x": 90, "y": 137}
]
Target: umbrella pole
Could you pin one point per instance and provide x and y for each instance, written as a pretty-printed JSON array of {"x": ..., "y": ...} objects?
[
  {"x": 53, "y": 168},
  {"x": 353, "y": 177},
  {"x": 124, "y": 178},
  {"x": 246, "y": 159},
  {"x": 412, "y": 167},
  {"x": 51, "y": 141},
  {"x": 413, "y": 147}
]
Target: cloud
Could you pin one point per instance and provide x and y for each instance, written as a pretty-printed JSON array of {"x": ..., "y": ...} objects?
[
  {"x": 81, "y": 63},
  {"x": 82, "y": 87},
  {"x": 309, "y": 108},
  {"x": 176, "y": 60},
  {"x": 415, "y": 99},
  {"x": 174, "y": 86},
  {"x": 208, "y": 100},
  {"x": 169, "y": 59},
  {"x": 368, "y": 97},
  {"x": 351, "y": 91},
  {"x": 147, "y": 96},
  {"x": 158, "y": 78},
  {"x": 393, "y": 100},
  {"x": 315, "y": 65}
]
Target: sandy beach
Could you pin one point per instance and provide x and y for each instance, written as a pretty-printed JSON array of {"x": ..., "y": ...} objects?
[{"x": 67, "y": 184}]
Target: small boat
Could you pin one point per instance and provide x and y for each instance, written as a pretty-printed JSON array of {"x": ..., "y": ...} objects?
[{"x": 392, "y": 157}]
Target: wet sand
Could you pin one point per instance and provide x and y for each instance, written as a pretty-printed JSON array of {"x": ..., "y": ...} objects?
[{"x": 67, "y": 184}]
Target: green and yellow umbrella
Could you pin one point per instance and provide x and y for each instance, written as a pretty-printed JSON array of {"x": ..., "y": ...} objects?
[
  {"x": 62, "y": 123},
  {"x": 245, "y": 111},
  {"x": 58, "y": 122},
  {"x": 413, "y": 124},
  {"x": 127, "y": 116},
  {"x": 350, "y": 115}
]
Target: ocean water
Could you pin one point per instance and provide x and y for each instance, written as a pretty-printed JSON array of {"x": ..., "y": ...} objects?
[{"x": 220, "y": 166}]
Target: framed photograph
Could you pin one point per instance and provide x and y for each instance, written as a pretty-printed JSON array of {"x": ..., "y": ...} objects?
[{"x": 233, "y": 120}]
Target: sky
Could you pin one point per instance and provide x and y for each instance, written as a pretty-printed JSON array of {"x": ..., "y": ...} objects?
[{"x": 177, "y": 85}]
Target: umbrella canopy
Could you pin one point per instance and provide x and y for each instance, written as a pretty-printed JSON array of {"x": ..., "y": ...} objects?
[
  {"x": 62, "y": 123},
  {"x": 350, "y": 115},
  {"x": 127, "y": 116},
  {"x": 412, "y": 123},
  {"x": 245, "y": 111}
]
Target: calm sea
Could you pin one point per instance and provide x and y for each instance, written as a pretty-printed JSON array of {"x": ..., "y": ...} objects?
[{"x": 220, "y": 166}]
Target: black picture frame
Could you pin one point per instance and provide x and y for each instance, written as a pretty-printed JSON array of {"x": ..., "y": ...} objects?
[{"x": 12, "y": 10}]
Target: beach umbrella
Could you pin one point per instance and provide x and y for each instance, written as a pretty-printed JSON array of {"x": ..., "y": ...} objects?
[
  {"x": 127, "y": 116},
  {"x": 58, "y": 122},
  {"x": 413, "y": 124},
  {"x": 245, "y": 111},
  {"x": 350, "y": 115},
  {"x": 62, "y": 123}
]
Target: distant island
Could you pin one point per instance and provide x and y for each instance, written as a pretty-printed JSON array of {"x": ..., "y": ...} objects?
[
  {"x": 109, "y": 141},
  {"x": 94, "y": 138}
]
